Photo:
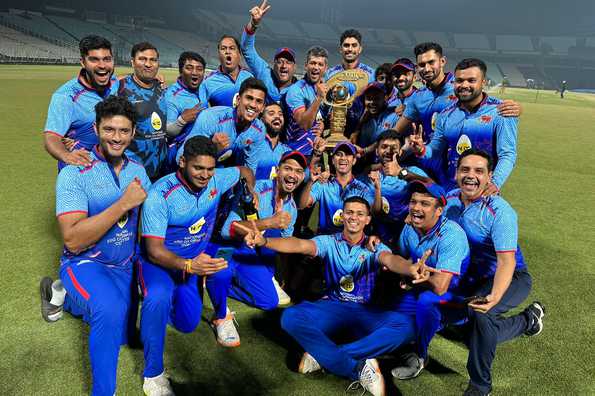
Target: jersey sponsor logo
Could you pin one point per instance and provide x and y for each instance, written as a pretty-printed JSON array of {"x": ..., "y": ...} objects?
[
  {"x": 156, "y": 121},
  {"x": 338, "y": 218},
  {"x": 196, "y": 227},
  {"x": 434, "y": 117},
  {"x": 346, "y": 283},
  {"x": 486, "y": 119},
  {"x": 123, "y": 220},
  {"x": 463, "y": 144},
  {"x": 248, "y": 142},
  {"x": 385, "y": 205},
  {"x": 273, "y": 173},
  {"x": 213, "y": 193}
]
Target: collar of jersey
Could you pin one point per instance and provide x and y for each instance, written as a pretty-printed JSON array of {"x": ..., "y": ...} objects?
[
  {"x": 187, "y": 185},
  {"x": 434, "y": 230},
  {"x": 179, "y": 81},
  {"x": 413, "y": 90},
  {"x": 99, "y": 155},
  {"x": 358, "y": 243},
  {"x": 484, "y": 100},
  {"x": 447, "y": 78},
  {"x": 89, "y": 87}
]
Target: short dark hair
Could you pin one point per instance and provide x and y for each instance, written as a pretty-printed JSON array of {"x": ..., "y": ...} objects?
[
  {"x": 351, "y": 33},
  {"x": 114, "y": 106},
  {"x": 392, "y": 135},
  {"x": 422, "y": 48},
  {"x": 93, "y": 42},
  {"x": 199, "y": 145},
  {"x": 480, "y": 153},
  {"x": 253, "y": 83},
  {"x": 472, "y": 62},
  {"x": 357, "y": 199},
  {"x": 235, "y": 40},
  {"x": 316, "y": 51},
  {"x": 190, "y": 55},
  {"x": 385, "y": 68},
  {"x": 142, "y": 46}
]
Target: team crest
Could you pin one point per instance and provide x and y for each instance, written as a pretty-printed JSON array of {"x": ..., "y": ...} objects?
[
  {"x": 463, "y": 144},
  {"x": 385, "y": 205},
  {"x": 123, "y": 220},
  {"x": 346, "y": 283},
  {"x": 434, "y": 117},
  {"x": 156, "y": 121},
  {"x": 213, "y": 193},
  {"x": 196, "y": 227},
  {"x": 338, "y": 218},
  {"x": 486, "y": 118},
  {"x": 452, "y": 97},
  {"x": 273, "y": 173}
]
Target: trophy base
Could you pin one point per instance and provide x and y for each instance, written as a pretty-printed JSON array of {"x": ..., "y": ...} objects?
[{"x": 333, "y": 139}]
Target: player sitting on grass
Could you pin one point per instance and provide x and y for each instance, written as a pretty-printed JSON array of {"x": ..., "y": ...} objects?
[
  {"x": 97, "y": 210},
  {"x": 350, "y": 272}
]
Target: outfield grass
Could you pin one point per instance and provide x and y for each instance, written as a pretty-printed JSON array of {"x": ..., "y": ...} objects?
[{"x": 552, "y": 189}]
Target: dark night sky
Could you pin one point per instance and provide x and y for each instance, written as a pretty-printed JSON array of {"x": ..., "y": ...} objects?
[{"x": 504, "y": 16}]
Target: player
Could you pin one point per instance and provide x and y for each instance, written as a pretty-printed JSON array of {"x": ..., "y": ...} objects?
[
  {"x": 350, "y": 272},
  {"x": 222, "y": 85},
  {"x": 183, "y": 104},
  {"x": 273, "y": 119},
  {"x": 236, "y": 131},
  {"x": 145, "y": 92},
  {"x": 71, "y": 110},
  {"x": 403, "y": 76},
  {"x": 438, "y": 93},
  {"x": 472, "y": 122},
  {"x": 303, "y": 103},
  {"x": 277, "y": 79},
  {"x": 497, "y": 274},
  {"x": 331, "y": 195},
  {"x": 97, "y": 210},
  {"x": 178, "y": 220},
  {"x": 254, "y": 282},
  {"x": 350, "y": 47}
]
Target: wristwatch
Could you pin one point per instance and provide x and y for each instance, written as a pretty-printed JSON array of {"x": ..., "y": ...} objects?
[{"x": 403, "y": 173}]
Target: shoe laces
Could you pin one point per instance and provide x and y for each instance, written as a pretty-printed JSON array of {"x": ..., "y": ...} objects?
[{"x": 355, "y": 386}]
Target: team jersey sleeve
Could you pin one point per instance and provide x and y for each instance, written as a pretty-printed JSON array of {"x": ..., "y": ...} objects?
[
  {"x": 155, "y": 215},
  {"x": 59, "y": 117},
  {"x": 226, "y": 178},
  {"x": 452, "y": 250},
  {"x": 438, "y": 143},
  {"x": 411, "y": 111},
  {"x": 173, "y": 112},
  {"x": 251, "y": 146},
  {"x": 70, "y": 193},
  {"x": 202, "y": 127},
  {"x": 323, "y": 243},
  {"x": 293, "y": 213},
  {"x": 203, "y": 93},
  {"x": 257, "y": 65},
  {"x": 505, "y": 229},
  {"x": 368, "y": 194},
  {"x": 316, "y": 191},
  {"x": 417, "y": 171},
  {"x": 506, "y": 148},
  {"x": 295, "y": 99},
  {"x": 381, "y": 247}
]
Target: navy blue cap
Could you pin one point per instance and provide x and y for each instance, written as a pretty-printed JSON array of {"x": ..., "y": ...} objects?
[
  {"x": 403, "y": 64},
  {"x": 347, "y": 144},
  {"x": 435, "y": 190}
]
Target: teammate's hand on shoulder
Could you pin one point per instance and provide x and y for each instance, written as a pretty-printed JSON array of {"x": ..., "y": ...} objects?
[
  {"x": 509, "y": 108},
  {"x": 491, "y": 189},
  {"x": 134, "y": 195},
  {"x": 78, "y": 157}
]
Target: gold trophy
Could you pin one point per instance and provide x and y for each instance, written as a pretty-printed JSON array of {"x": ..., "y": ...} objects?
[{"x": 344, "y": 88}]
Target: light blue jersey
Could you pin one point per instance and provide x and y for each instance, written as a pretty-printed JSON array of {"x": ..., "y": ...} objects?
[
  {"x": 219, "y": 88},
  {"x": 491, "y": 226},
  {"x": 425, "y": 105},
  {"x": 330, "y": 196},
  {"x": 183, "y": 217},
  {"x": 269, "y": 159},
  {"x": 371, "y": 130},
  {"x": 71, "y": 112},
  {"x": 458, "y": 130},
  {"x": 248, "y": 145},
  {"x": 349, "y": 270},
  {"x": 396, "y": 99},
  {"x": 180, "y": 98},
  {"x": 92, "y": 190}
]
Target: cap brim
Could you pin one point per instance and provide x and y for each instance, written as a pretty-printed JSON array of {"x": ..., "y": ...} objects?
[{"x": 297, "y": 156}]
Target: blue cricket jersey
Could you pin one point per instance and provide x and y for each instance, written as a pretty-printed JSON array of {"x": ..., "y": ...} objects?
[
  {"x": 330, "y": 196},
  {"x": 185, "y": 218},
  {"x": 248, "y": 145},
  {"x": 458, "y": 130},
  {"x": 219, "y": 88},
  {"x": 491, "y": 226},
  {"x": 71, "y": 112},
  {"x": 450, "y": 248},
  {"x": 261, "y": 68},
  {"x": 372, "y": 128},
  {"x": 149, "y": 146},
  {"x": 396, "y": 99},
  {"x": 349, "y": 270},
  {"x": 92, "y": 190},
  {"x": 300, "y": 96},
  {"x": 425, "y": 104},
  {"x": 269, "y": 159},
  {"x": 180, "y": 98}
]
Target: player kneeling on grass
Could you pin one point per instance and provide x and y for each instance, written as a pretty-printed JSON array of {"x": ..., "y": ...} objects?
[
  {"x": 177, "y": 223},
  {"x": 97, "y": 209},
  {"x": 253, "y": 281},
  {"x": 350, "y": 273},
  {"x": 497, "y": 279}
]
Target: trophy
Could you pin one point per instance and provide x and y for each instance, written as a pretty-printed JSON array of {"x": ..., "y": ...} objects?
[{"x": 344, "y": 88}]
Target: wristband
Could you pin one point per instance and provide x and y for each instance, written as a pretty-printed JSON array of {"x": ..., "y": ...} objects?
[{"x": 188, "y": 266}]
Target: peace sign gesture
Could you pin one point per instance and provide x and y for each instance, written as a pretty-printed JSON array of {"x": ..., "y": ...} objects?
[
  {"x": 420, "y": 272},
  {"x": 416, "y": 139},
  {"x": 256, "y": 13}
]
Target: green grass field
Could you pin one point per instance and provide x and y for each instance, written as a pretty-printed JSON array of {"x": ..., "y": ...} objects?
[{"x": 552, "y": 189}]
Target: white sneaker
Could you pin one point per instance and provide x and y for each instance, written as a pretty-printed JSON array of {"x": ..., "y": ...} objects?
[
  {"x": 308, "y": 364},
  {"x": 413, "y": 367},
  {"x": 284, "y": 298},
  {"x": 157, "y": 386},
  {"x": 371, "y": 379},
  {"x": 226, "y": 332}
]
